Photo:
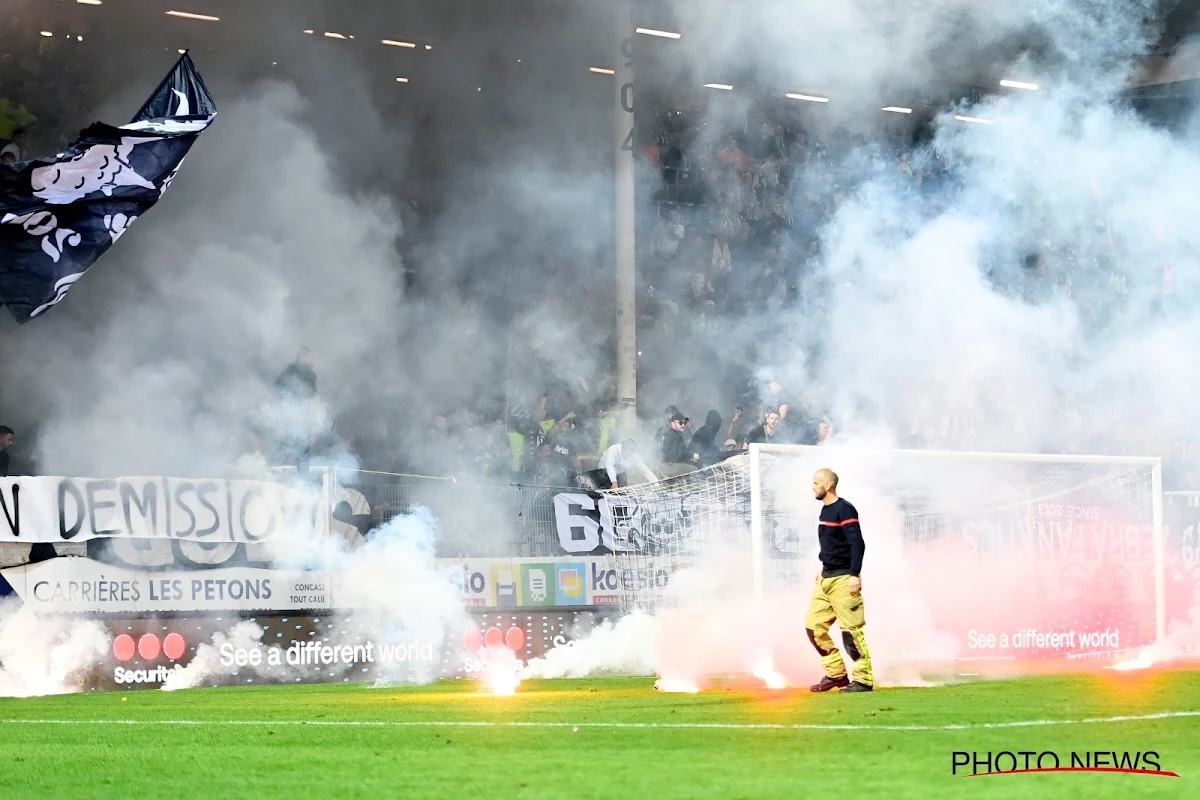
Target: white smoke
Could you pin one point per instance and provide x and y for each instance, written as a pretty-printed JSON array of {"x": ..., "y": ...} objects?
[
  {"x": 629, "y": 646},
  {"x": 399, "y": 594},
  {"x": 390, "y": 591},
  {"x": 47, "y": 655},
  {"x": 207, "y": 661}
]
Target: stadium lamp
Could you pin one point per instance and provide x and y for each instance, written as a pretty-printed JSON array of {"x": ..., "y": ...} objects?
[
  {"x": 308, "y": 31},
  {"x": 723, "y": 86},
  {"x": 47, "y": 34},
  {"x": 90, "y": 2},
  {"x": 602, "y": 71},
  {"x": 897, "y": 109},
  {"x": 190, "y": 15},
  {"x": 394, "y": 43},
  {"x": 661, "y": 34},
  {"x": 428, "y": 47},
  {"x": 977, "y": 120},
  {"x": 1019, "y": 85},
  {"x": 333, "y": 35},
  {"x": 401, "y": 80},
  {"x": 812, "y": 98}
]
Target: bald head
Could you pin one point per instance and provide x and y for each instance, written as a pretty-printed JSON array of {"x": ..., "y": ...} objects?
[{"x": 825, "y": 483}]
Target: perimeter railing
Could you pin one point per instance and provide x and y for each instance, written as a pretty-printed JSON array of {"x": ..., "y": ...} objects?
[{"x": 475, "y": 518}]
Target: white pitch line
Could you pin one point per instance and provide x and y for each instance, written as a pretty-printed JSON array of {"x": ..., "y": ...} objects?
[{"x": 633, "y": 725}]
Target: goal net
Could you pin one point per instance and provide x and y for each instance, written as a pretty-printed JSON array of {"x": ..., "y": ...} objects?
[{"x": 999, "y": 555}]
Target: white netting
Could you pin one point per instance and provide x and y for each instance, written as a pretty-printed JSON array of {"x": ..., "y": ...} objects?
[{"x": 1064, "y": 542}]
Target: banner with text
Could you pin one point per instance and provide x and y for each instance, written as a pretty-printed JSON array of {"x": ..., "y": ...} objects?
[{"x": 56, "y": 510}]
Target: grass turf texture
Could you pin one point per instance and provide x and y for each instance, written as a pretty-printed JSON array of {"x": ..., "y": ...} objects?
[{"x": 285, "y": 760}]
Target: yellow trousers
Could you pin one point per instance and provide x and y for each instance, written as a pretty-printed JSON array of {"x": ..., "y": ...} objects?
[{"x": 832, "y": 601}]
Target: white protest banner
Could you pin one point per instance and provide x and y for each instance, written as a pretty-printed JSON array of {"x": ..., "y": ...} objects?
[{"x": 59, "y": 510}]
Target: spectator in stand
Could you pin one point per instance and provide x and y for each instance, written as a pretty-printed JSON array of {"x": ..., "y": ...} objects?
[
  {"x": 824, "y": 431},
  {"x": 732, "y": 158},
  {"x": 722, "y": 260},
  {"x": 616, "y": 464},
  {"x": 14, "y": 115},
  {"x": 564, "y": 451},
  {"x": 767, "y": 433},
  {"x": 253, "y": 463},
  {"x": 7, "y": 159},
  {"x": 669, "y": 413},
  {"x": 703, "y": 448},
  {"x": 675, "y": 457},
  {"x": 6, "y": 442},
  {"x": 296, "y": 411},
  {"x": 18, "y": 148},
  {"x": 548, "y": 470},
  {"x": 728, "y": 436},
  {"x": 667, "y": 235}
]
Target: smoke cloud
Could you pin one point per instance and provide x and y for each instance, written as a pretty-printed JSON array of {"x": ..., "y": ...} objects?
[
  {"x": 1042, "y": 300},
  {"x": 41, "y": 655}
]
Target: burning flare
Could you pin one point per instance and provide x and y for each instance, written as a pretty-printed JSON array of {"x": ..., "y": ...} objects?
[
  {"x": 502, "y": 671},
  {"x": 764, "y": 670}
]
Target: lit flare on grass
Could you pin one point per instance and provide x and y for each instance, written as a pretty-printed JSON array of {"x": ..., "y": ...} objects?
[
  {"x": 764, "y": 670},
  {"x": 1143, "y": 660},
  {"x": 501, "y": 682},
  {"x": 502, "y": 671},
  {"x": 676, "y": 685}
]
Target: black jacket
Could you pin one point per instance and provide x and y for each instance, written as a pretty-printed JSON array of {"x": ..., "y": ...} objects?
[{"x": 674, "y": 451}]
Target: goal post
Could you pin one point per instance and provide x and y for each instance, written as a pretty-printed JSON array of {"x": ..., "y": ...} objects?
[{"x": 1086, "y": 516}]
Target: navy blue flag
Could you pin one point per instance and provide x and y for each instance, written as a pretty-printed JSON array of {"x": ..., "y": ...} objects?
[{"x": 59, "y": 215}]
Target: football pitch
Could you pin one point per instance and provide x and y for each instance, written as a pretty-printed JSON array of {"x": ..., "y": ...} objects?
[{"x": 600, "y": 738}]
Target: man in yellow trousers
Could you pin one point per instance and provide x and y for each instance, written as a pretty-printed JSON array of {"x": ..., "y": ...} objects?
[{"x": 838, "y": 595}]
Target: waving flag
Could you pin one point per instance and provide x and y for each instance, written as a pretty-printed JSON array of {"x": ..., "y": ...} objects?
[{"x": 58, "y": 215}]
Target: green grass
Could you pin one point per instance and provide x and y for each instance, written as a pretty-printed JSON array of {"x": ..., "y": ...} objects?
[{"x": 42, "y": 760}]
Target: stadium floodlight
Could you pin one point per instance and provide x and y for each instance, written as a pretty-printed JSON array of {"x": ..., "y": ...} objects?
[
  {"x": 191, "y": 15},
  {"x": 1009, "y": 84},
  {"x": 47, "y": 33},
  {"x": 394, "y": 43},
  {"x": 1028, "y": 532},
  {"x": 602, "y": 71},
  {"x": 722, "y": 86},
  {"x": 90, "y": 2},
  {"x": 660, "y": 34},
  {"x": 897, "y": 109},
  {"x": 428, "y": 47},
  {"x": 812, "y": 98},
  {"x": 308, "y": 31},
  {"x": 333, "y": 35},
  {"x": 976, "y": 120},
  {"x": 401, "y": 80}
]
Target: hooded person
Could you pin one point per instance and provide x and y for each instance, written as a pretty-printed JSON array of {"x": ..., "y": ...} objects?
[{"x": 704, "y": 449}]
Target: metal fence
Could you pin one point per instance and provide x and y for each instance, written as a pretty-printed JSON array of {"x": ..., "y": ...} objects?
[{"x": 475, "y": 519}]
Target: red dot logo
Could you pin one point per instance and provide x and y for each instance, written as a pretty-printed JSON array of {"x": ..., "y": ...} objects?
[
  {"x": 148, "y": 646},
  {"x": 494, "y": 637},
  {"x": 473, "y": 639},
  {"x": 174, "y": 646},
  {"x": 123, "y": 647},
  {"x": 514, "y": 638}
]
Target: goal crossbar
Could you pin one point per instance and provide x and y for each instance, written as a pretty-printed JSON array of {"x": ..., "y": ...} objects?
[{"x": 1153, "y": 463}]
